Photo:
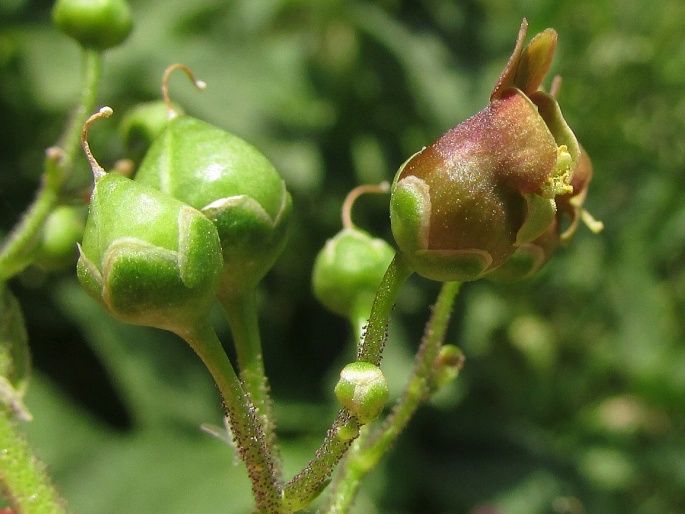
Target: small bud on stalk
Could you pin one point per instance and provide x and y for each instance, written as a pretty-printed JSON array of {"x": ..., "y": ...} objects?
[
  {"x": 350, "y": 267},
  {"x": 363, "y": 390},
  {"x": 96, "y": 24}
]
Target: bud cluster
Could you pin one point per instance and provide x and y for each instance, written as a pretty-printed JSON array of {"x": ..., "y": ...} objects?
[{"x": 206, "y": 214}]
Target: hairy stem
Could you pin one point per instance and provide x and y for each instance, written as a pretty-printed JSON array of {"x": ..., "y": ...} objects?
[
  {"x": 371, "y": 346},
  {"x": 307, "y": 484},
  {"x": 246, "y": 429},
  {"x": 372, "y": 445},
  {"x": 22, "y": 476},
  {"x": 16, "y": 252},
  {"x": 70, "y": 141},
  {"x": 241, "y": 311}
]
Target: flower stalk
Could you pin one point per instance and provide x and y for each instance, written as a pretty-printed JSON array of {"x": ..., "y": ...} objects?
[{"x": 374, "y": 442}]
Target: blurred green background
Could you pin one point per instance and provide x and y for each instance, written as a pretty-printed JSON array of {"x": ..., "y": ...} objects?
[{"x": 572, "y": 400}]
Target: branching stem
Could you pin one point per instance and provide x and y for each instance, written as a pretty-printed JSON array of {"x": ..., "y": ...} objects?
[
  {"x": 307, "y": 484},
  {"x": 16, "y": 252},
  {"x": 246, "y": 429},
  {"x": 374, "y": 443}
]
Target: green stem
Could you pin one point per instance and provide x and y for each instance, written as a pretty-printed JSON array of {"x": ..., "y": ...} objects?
[
  {"x": 241, "y": 312},
  {"x": 16, "y": 252},
  {"x": 307, "y": 484},
  {"x": 371, "y": 446},
  {"x": 245, "y": 427},
  {"x": 70, "y": 141},
  {"x": 371, "y": 347},
  {"x": 22, "y": 476}
]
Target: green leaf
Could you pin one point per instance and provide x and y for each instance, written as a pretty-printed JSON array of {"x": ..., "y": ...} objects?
[{"x": 15, "y": 358}]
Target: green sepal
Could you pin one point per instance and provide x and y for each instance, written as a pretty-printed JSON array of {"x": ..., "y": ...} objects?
[
  {"x": 451, "y": 265},
  {"x": 410, "y": 213},
  {"x": 540, "y": 216},
  {"x": 250, "y": 240},
  {"x": 523, "y": 264}
]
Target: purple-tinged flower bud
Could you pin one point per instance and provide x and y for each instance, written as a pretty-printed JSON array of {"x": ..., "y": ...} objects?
[{"x": 461, "y": 207}]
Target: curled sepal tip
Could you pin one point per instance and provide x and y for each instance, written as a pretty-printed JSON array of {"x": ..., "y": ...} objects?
[
  {"x": 352, "y": 196},
  {"x": 98, "y": 171},
  {"x": 363, "y": 390}
]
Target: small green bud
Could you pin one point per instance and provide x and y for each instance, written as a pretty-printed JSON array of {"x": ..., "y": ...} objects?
[
  {"x": 232, "y": 183},
  {"x": 349, "y": 269},
  {"x": 62, "y": 231},
  {"x": 148, "y": 258},
  {"x": 363, "y": 390},
  {"x": 461, "y": 207},
  {"x": 447, "y": 366},
  {"x": 142, "y": 124},
  {"x": 97, "y": 24}
]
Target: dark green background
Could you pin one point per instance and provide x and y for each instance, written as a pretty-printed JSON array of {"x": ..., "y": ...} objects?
[{"x": 573, "y": 396}]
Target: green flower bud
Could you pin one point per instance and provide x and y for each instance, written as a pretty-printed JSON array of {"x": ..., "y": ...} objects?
[
  {"x": 233, "y": 184},
  {"x": 62, "y": 231},
  {"x": 141, "y": 126},
  {"x": 350, "y": 267},
  {"x": 148, "y": 258},
  {"x": 97, "y": 24},
  {"x": 363, "y": 390},
  {"x": 348, "y": 270},
  {"x": 461, "y": 207}
]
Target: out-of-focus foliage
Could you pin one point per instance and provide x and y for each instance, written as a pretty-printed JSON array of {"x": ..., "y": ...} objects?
[{"x": 573, "y": 396}]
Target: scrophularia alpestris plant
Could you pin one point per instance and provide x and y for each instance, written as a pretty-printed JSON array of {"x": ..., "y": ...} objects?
[{"x": 207, "y": 215}]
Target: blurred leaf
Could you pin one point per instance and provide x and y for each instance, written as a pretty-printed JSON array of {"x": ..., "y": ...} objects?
[{"x": 15, "y": 358}]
